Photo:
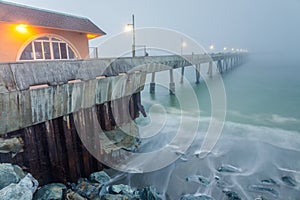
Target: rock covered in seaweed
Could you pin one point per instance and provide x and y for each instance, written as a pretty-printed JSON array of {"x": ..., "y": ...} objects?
[
  {"x": 289, "y": 180},
  {"x": 231, "y": 195},
  {"x": 198, "y": 179},
  {"x": 229, "y": 169}
]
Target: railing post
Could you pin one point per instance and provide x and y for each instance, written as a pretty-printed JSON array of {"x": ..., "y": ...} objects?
[{"x": 172, "y": 83}]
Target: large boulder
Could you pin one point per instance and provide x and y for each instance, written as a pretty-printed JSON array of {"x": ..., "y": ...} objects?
[
  {"x": 88, "y": 189},
  {"x": 23, "y": 190},
  {"x": 99, "y": 177},
  {"x": 53, "y": 191},
  {"x": 10, "y": 174},
  {"x": 121, "y": 189}
]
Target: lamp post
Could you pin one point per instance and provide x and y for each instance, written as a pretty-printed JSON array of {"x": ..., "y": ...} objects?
[
  {"x": 133, "y": 36},
  {"x": 182, "y": 45}
]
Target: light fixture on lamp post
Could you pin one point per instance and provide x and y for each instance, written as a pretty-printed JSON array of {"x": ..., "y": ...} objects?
[
  {"x": 182, "y": 45},
  {"x": 133, "y": 35},
  {"x": 211, "y": 47}
]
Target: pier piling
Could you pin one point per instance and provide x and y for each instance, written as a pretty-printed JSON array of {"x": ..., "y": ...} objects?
[
  {"x": 172, "y": 83},
  {"x": 210, "y": 71},
  {"x": 152, "y": 83},
  {"x": 197, "y": 73}
]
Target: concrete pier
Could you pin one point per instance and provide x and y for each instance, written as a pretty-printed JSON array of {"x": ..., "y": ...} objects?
[{"x": 42, "y": 104}]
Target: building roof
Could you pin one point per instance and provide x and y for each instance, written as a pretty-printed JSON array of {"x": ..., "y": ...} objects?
[{"x": 15, "y": 13}]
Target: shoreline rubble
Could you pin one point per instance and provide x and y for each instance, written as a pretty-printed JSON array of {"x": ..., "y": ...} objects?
[{"x": 15, "y": 184}]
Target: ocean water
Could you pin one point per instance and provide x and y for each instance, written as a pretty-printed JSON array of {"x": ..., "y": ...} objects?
[{"x": 257, "y": 155}]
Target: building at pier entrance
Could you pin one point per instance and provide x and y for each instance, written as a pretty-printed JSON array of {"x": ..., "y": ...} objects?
[{"x": 29, "y": 34}]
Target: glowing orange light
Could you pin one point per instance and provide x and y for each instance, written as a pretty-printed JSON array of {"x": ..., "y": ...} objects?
[
  {"x": 91, "y": 36},
  {"x": 22, "y": 28}
]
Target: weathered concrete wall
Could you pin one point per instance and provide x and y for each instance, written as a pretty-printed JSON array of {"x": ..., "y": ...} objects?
[
  {"x": 22, "y": 107},
  {"x": 58, "y": 150}
]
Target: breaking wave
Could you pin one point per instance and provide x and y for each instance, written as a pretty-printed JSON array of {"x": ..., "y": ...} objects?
[{"x": 249, "y": 162}]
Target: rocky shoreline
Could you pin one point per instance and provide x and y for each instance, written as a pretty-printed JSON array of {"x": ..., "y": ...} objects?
[{"x": 15, "y": 184}]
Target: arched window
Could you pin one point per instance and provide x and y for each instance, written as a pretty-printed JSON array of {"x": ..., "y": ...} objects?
[{"x": 48, "y": 48}]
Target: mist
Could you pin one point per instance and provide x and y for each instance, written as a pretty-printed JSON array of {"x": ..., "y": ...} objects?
[
  {"x": 268, "y": 26},
  {"x": 257, "y": 145}
]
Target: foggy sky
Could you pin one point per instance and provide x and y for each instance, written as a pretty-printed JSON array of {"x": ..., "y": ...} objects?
[{"x": 258, "y": 25}]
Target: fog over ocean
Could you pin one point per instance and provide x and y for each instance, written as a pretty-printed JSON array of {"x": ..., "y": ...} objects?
[{"x": 257, "y": 155}]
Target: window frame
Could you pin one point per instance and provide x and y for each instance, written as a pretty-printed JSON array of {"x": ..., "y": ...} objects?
[{"x": 50, "y": 39}]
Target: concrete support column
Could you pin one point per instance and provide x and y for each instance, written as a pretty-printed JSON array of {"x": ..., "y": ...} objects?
[
  {"x": 197, "y": 73},
  {"x": 233, "y": 62},
  {"x": 223, "y": 65},
  {"x": 182, "y": 75},
  {"x": 210, "y": 71},
  {"x": 152, "y": 83},
  {"x": 172, "y": 83}
]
